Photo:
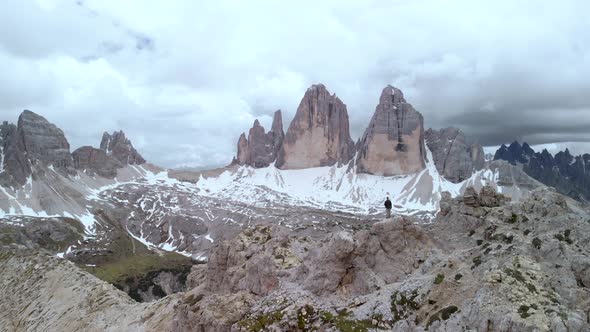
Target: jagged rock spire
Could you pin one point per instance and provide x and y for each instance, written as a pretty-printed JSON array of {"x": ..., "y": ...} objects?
[
  {"x": 393, "y": 143},
  {"x": 119, "y": 147},
  {"x": 319, "y": 134},
  {"x": 260, "y": 148}
]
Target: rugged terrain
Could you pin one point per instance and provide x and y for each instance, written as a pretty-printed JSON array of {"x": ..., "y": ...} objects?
[
  {"x": 484, "y": 264},
  {"x": 290, "y": 235},
  {"x": 570, "y": 175}
]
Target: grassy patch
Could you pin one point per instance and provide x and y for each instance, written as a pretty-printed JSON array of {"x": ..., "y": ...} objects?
[
  {"x": 439, "y": 278},
  {"x": 523, "y": 310},
  {"x": 124, "y": 263},
  {"x": 261, "y": 322},
  {"x": 442, "y": 314},
  {"x": 476, "y": 262},
  {"x": 403, "y": 304},
  {"x": 513, "y": 219}
]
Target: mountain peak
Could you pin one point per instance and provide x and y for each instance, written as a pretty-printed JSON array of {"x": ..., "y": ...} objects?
[
  {"x": 391, "y": 95},
  {"x": 319, "y": 134},
  {"x": 118, "y": 146},
  {"x": 393, "y": 143},
  {"x": 277, "y": 123}
]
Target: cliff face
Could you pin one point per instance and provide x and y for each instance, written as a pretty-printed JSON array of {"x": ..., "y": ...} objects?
[
  {"x": 260, "y": 149},
  {"x": 31, "y": 145},
  {"x": 96, "y": 160},
  {"x": 393, "y": 143},
  {"x": 319, "y": 134},
  {"x": 120, "y": 148},
  {"x": 454, "y": 158}
]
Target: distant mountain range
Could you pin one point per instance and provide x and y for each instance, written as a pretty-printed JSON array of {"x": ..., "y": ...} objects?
[{"x": 570, "y": 175}]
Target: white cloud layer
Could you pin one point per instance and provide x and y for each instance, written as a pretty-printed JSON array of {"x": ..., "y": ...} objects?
[{"x": 184, "y": 78}]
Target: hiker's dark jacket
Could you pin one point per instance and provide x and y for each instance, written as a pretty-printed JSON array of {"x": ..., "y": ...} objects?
[{"x": 387, "y": 204}]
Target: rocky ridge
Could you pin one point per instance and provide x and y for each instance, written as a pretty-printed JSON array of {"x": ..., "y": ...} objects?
[
  {"x": 454, "y": 158},
  {"x": 484, "y": 264},
  {"x": 570, "y": 175}
]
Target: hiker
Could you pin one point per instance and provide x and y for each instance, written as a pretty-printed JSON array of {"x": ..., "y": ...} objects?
[{"x": 388, "y": 207}]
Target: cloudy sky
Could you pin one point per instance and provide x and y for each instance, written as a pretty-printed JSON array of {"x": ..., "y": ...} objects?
[{"x": 184, "y": 78}]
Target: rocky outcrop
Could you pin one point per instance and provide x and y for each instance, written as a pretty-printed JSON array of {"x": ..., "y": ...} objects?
[
  {"x": 393, "y": 144},
  {"x": 454, "y": 158},
  {"x": 33, "y": 144},
  {"x": 15, "y": 164},
  {"x": 43, "y": 141},
  {"x": 96, "y": 161},
  {"x": 260, "y": 149},
  {"x": 568, "y": 174},
  {"x": 119, "y": 147},
  {"x": 483, "y": 264},
  {"x": 319, "y": 135}
]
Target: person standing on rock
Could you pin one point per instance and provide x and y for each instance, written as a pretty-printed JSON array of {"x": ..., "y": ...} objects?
[{"x": 388, "y": 208}]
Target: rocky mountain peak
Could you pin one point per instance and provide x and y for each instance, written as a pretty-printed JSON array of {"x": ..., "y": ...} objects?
[
  {"x": 514, "y": 153},
  {"x": 120, "y": 147},
  {"x": 568, "y": 174},
  {"x": 260, "y": 148},
  {"x": 391, "y": 95},
  {"x": 43, "y": 141},
  {"x": 393, "y": 143},
  {"x": 277, "y": 123},
  {"x": 454, "y": 158},
  {"x": 319, "y": 134}
]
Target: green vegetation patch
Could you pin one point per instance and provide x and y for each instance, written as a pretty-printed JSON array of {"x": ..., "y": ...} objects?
[
  {"x": 513, "y": 219},
  {"x": 261, "y": 322},
  {"x": 439, "y": 278},
  {"x": 565, "y": 237},
  {"x": 476, "y": 262},
  {"x": 403, "y": 304},
  {"x": 442, "y": 314},
  {"x": 343, "y": 322},
  {"x": 125, "y": 264},
  {"x": 523, "y": 310}
]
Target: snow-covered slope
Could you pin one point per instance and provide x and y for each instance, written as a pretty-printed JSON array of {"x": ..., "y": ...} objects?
[
  {"x": 165, "y": 213},
  {"x": 338, "y": 188}
]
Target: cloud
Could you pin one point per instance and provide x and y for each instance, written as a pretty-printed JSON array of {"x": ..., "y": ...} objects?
[{"x": 184, "y": 78}]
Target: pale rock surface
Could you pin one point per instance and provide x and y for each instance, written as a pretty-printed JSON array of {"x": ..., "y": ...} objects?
[
  {"x": 454, "y": 158},
  {"x": 319, "y": 135},
  {"x": 260, "y": 149},
  {"x": 393, "y": 143}
]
